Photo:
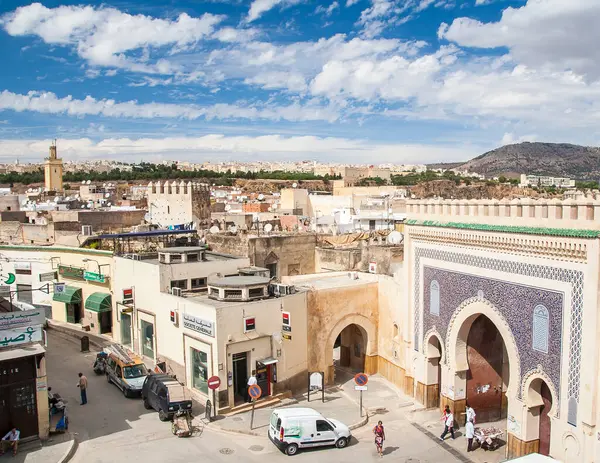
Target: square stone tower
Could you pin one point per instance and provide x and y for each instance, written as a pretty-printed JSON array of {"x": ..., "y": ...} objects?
[{"x": 53, "y": 171}]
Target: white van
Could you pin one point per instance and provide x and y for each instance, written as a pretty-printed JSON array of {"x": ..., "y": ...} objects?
[{"x": 294, "y": 428}]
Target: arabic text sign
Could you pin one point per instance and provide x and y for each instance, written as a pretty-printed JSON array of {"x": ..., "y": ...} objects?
[
  {"x": 20, "y": 335},
  {"x": 22, "y": 318},
  {"x": 97, "y": 277},
  {"x": 197, "y": 324},
  {"x": 48, "y": 276}
]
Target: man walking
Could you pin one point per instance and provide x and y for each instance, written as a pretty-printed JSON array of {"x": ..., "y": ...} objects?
[
  {"x": 82, "y": 384},
  {"x": 448, "y": 419}
]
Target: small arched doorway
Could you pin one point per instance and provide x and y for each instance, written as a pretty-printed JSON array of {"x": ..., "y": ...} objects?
[
  {"x": 488, "y": 373},
  {"x": 349, "y": 351},
  {"x": 433, "y": 385},
  {"x": 539, "y": 401}
]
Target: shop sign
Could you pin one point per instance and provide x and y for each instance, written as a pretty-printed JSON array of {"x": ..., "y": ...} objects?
[
  {"x": 48, "y": 276},
  {"x": 199, "y": 325},
  {"x": 249, "y": 324},
  {"x": 286, "y": 322},
  {"x": 5, "y": 290},
  {"x": 20, "y": 335},
  {"x": 22, "y": 318},
  {"x": 95, "y": 277},
  {"x": 127, "y": 295},
  {"x": 75, "y": 273},
  {"x": 22, "y": 265}
]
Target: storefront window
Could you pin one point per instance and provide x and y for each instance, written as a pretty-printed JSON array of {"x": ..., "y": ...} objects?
[
  {"x": 199, "y": 370},
  {"x": 147, "y": 339}
]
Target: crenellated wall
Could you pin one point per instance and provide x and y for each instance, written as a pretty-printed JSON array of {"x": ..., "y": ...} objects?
[
  {"x": 580, "y": 213},
  {"x": 178, "y": 202}
]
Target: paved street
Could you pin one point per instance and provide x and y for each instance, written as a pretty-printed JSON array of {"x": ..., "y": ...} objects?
[{"x": 113, "y": 428}]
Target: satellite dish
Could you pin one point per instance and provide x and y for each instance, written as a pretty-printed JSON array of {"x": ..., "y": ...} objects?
[
  {"x": 270, "y": 209},
  {"x": 104, "y": 185},
  {"x": 29, "y": 190},
  {"x": 294, "y": 185},
  {"x": 88, "y": 182},
  {"x": 395, "y": 237},
  {"x": 233, "y": 229},
  {"x": 107, "y": 195},
  {"x": 109, "y": 204},
  {"x": 83, "y": 182},
  {"x": 268, "y": 227},
  {"x": 227, "y": 207},
  {"x": 261, "y": 197},
  {"x": 213, "y": 229}
]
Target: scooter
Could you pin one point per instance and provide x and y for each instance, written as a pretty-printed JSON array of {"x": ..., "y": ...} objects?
[{"x": 100, "y": 363}]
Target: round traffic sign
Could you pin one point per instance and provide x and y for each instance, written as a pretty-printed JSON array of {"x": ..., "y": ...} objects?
[
  {"x": 214, "y": 382},
  {"x": 361, "y": 379},
  {"x": 254, "y": 391}
]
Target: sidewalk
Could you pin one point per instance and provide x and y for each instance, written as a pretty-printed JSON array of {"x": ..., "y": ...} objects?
[
  {"x": 337, "y": 405},
  {"x": 58, "y": 449},
  {"x": 428, "y": 421}
]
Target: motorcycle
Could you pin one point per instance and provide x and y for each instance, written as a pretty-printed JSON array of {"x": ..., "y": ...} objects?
[
  {"x": 100, "y": 363},
  {"x": 59, "y": 421}
]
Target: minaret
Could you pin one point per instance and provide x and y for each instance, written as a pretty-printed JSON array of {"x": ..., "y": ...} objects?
[{"x": 53, "y": 170}]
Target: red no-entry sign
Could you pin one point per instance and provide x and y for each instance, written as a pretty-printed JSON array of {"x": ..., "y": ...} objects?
[{"x": 214, "y": 382}]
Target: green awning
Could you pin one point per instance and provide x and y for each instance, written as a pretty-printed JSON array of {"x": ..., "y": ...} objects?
[
  {"x": 99, "y": 302},
  {"x": 71, "y": 295}
]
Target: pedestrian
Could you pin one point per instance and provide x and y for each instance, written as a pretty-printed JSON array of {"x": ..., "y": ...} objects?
[
  {"x": 469, "y": 434},
  {"x": 10, "y": 440},
  {"x": 82, "y": 384},
  {"x": 251, "y": 382},
  {"x": 470, "y": 414},
  {"x": 379, "y": 437},
  {"x": 448, "y": 419}
]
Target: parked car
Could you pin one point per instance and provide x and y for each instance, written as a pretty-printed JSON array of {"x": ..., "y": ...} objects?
[
  {"x": 126, "y": 372},
  {"x": 166, "y": 395},
  {"x": 294, "y": 428}
]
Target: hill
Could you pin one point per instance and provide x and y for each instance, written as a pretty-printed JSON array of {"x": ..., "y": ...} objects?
[{"x": 554, "y": 159}]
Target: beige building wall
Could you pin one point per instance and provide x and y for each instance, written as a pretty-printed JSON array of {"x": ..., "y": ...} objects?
[{"x": 294, "y": 199}]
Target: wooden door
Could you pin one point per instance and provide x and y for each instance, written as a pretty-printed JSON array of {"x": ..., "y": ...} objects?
[
  {"x": 484, "y": 378},
  {"x": 545, "y": 420}
]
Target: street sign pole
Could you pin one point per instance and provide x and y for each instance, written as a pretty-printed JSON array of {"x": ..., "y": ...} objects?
[
  {"x": 252, "y": 416},
  {"x": 254, "y": 392},
  {"x": 360, "y": 404},
  {"x": 214, "y": 394}
]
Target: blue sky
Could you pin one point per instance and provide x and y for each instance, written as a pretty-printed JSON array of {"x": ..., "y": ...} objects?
[{"x": 361, "y": 81}]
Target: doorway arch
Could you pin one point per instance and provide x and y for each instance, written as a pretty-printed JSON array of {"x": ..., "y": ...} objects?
[
  {"x": 434, "y": 353},
  {"x": 466, "y": 317},
  {"x": 359, "y": 340},
  {"x": 541, "y": 400}
]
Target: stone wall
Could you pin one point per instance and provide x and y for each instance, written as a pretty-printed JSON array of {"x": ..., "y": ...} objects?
[
  {"x": 293, "y": 254},
  {"x": 336, "y": 260},
  {"x": 236, "y": 245}
]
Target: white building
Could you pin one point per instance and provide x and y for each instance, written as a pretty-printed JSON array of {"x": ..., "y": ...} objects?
[
  {"x": 192, "y": 311},
  {"x": 546, "y": 181},
  {"x": 178, "y": 203}
]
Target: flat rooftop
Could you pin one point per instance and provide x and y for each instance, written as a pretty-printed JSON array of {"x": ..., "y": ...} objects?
[{"x": 328, "y": 282}]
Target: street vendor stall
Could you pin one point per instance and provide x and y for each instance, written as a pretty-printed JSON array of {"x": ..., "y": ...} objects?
[{"x": 488, "y": 438}]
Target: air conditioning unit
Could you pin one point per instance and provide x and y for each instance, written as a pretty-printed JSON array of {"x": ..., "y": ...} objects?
[
  {"x": 282, "y": 290},
  {"x": 176, "y": 291},
  {"x": 86, "y": 230}
]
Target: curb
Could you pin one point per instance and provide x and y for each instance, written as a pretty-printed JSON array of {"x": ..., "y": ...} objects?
[
  {"x": 364, "y": 420},
  {"x": 238, "y": 431},
  {"x": 71, "y": 451}
]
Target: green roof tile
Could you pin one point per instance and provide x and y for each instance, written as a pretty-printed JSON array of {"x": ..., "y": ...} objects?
[{"x": 571, "y": 232}]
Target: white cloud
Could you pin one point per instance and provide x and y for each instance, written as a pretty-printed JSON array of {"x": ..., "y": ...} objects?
[
  {"x": 49, "y": 103},
  {"x": 108, "y": 37},
  {"x": 510, "y": 138},
  {"x": 327, "y": 11},
  {"x": 351, "y": 2},
  {"x": 259, "y": 7},
  {"x": 558, "y": 34},
  {"x": 218, "y": 146},
  {"x": 482, "y": 2}
]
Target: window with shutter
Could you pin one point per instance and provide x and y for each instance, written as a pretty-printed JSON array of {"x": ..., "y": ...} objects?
[
  {"x": 541, "y": 328},
  {"x": 434, "y": 298}
]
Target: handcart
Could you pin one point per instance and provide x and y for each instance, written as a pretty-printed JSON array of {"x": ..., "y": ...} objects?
[{"x": 488, "y": 438}]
